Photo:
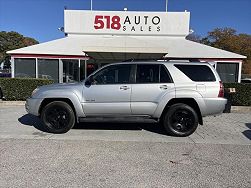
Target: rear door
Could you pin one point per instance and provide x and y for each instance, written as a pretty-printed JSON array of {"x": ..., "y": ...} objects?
[{"x": 152, "y": 82}]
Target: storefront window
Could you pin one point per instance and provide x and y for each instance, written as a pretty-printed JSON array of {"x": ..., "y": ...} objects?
[
  {"x": 228, "y": 72},
  {"x": 91, "y": 67},
  {"x": 71, "y": 71},
  {"x": 48, "y": 69},
  {"x": 25, "y": 67}
]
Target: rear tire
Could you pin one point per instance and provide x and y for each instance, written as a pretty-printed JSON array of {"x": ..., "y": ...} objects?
[
  {"x": 58, "y": 117},
  {"x": 180, "y": 120}
]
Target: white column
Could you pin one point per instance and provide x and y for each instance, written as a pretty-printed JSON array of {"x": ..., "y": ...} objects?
[
  {"x": 36, "y": 69},
  {"x": 60, "y": 71},
  {"x": 79, "y": 70},
  {"x": 12, "y": 67},
  {"x": 239, "y": 75}
]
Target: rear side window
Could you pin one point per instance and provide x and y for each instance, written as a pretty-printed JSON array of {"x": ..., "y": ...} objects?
[
  {"x": 152, "y": 73},
  {"x": 147, "y": 74},
  {"x": 197, "y": 73},
  {"x": 164, "y": 75}
]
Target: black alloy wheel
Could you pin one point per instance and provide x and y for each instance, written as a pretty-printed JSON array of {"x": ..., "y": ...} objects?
[
  {"x": 58, "y": 117},
  {"x": 180, "y": 120}
]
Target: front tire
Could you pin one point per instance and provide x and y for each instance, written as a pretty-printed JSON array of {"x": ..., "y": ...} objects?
[
  {"x": 180, "y": 120},
  {"x": 58, "y": 117}
]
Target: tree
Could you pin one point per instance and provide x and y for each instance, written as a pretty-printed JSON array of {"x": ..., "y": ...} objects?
[
  {"x": 194, "y": 37},
  {"x": 10, "y": 41},
  {"x": 228, "y": 39}
]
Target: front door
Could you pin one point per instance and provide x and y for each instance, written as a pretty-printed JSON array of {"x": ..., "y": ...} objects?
[{"x": 108, "y": 91}]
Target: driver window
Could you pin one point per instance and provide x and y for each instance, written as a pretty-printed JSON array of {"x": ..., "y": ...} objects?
[{"x": 114, "y": 74}]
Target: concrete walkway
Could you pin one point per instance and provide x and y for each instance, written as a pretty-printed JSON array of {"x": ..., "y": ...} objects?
[
  {"x": 124, "y": 155},
  {"x": 232, "y": 128}
]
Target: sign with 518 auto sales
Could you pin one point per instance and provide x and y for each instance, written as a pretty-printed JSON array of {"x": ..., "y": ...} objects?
[{"x": 126, "y": 22}]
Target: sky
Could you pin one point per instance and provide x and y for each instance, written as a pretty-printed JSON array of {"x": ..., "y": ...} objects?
[{"x": 40, "y": 19}]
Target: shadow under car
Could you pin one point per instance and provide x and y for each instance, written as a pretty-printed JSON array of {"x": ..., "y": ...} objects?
[{"x": 97, "y": 124}]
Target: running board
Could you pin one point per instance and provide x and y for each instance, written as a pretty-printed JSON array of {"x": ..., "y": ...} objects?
[{"x": 124, "y": 119}]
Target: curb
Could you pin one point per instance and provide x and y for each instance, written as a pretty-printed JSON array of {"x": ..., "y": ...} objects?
[
  {"x": 12, "y": 103},
  {"x": 241, "y": 109}
]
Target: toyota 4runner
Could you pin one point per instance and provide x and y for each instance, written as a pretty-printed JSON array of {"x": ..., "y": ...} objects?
[{"x": 177, "y": 94}]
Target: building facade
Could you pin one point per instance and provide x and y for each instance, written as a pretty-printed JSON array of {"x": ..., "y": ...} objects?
[{"x": 96, "y": 38}]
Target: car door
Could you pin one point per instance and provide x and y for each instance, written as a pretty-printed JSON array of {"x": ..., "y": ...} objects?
[
  {"x": 152, "y": 83},
  {"x": 109, "y": 91}
]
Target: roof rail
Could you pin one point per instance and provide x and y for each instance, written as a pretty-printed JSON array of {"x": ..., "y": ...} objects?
[
  {"x": 164, "y": 59},
  {"x": 136, "y": 60}
]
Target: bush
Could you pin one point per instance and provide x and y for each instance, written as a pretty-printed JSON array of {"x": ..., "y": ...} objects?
[
  {"x": 20, "y": 88},
  {"x": 242, "y": 97}
]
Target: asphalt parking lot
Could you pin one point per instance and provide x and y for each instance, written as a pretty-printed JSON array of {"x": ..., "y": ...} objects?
[{"x": 119, "y": 154}]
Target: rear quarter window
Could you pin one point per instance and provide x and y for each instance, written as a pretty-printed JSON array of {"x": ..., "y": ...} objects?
[{"x": 197, "y": 73}]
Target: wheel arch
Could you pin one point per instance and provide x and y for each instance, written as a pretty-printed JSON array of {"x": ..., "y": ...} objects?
[
  {"x": 49, "y": 100},
  {"x": 188, "y": 101}
]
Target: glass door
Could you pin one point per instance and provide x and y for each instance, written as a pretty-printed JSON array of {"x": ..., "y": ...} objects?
[{"x": 71, "y": 71}]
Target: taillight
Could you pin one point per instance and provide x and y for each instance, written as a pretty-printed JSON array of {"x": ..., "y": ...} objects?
[{"x": 221, "y": 92}]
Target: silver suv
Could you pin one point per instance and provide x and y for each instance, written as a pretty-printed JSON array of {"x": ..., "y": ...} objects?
[{"x": 177, "y": 94}]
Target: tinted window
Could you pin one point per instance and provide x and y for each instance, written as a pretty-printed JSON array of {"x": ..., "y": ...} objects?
[
  {"x": 164, "y": 75},
  {"x": 228, "y": 72},
  {"x": 70, "y": 70},
  {"x": 148, "y": 73},
  {"x": 25, "y": 67},
  {"x": 48, "y": 69},
  {"x": 199, "y": 73},
  {"x": 114, "y": 74}
]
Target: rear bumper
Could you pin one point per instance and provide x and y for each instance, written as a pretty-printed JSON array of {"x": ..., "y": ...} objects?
[
  {"x": 214, "y": 106},
  {"x": 32, "y": 106}
]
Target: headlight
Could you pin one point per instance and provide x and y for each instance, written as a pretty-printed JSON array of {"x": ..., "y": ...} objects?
[{"x": 34, "y": 91}]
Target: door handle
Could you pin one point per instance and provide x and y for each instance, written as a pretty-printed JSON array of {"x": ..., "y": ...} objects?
[
  {"x": 124, "y": 88},
  {"x": 163, "y": 87}
]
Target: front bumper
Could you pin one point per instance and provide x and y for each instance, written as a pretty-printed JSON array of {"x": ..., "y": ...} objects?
[{"x": 32, "y": 106}]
